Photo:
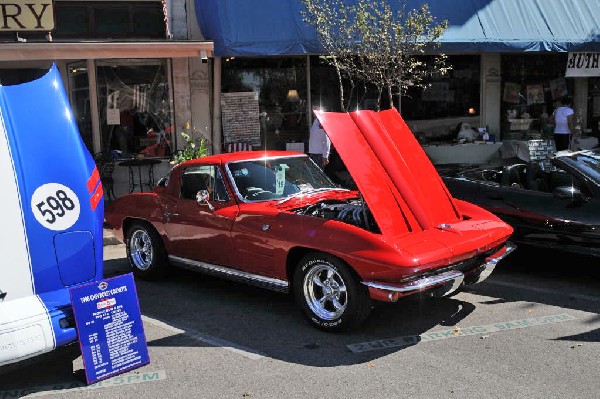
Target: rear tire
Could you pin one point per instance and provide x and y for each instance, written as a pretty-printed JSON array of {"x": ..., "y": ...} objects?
[
  {"x": 329, "y": 294},
  {"x": 146, "y": 252}
]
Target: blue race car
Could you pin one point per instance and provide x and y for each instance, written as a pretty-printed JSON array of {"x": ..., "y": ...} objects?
[{"x": 52, "y": 214}]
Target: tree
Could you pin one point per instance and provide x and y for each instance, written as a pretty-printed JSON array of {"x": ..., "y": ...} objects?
[{"x": 371, "y": 42}]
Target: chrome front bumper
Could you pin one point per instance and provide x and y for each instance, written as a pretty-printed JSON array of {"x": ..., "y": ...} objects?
[
  {"x": 492, "y": 261},
  {"x": 441, "y": 284}
]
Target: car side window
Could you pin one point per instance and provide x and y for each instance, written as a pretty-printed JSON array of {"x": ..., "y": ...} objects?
[{"x": 205, "y": 177}]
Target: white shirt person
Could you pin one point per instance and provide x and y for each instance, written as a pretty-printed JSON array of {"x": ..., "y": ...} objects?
[{"x": 319, "y": 144}]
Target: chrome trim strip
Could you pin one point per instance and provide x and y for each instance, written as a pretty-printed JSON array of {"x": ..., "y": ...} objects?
[
  {"x": 232, "y": 274},
  {"x": 422, "y": 284},
  {"x": 490, "y": 265}
]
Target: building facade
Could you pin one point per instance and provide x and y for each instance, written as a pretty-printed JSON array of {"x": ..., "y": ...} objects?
[
  {"x": 140, "y": 72},
  {"x": 509, "y": 60},
  {"x": 132, "y": 70}
]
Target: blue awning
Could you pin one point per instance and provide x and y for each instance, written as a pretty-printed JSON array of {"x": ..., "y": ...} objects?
[{"x": 276, "y": 27}]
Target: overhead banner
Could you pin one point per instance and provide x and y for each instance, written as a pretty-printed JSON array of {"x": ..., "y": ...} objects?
[{"x": 583, "y": 65}]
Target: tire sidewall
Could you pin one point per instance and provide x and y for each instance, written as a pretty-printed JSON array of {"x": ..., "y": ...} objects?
[
  {"x": 156, "y": 269},
  {"x": 349, "y": 317}
]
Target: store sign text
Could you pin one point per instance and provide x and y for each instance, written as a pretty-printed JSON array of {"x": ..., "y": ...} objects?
[
  {"x": 26, "y": 15},
  {"x": 583, "y": 64}
]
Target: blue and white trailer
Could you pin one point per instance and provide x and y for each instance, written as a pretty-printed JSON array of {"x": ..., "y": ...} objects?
[{"x": 52, "y": 211}]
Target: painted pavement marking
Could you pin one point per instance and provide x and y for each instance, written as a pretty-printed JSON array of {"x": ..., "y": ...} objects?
[
  {"x": 457, "y": 332},
  {"x": 76, "y": 386},
  {"x": 544, "y": 290},
  {"x": 207, "y": 339}
]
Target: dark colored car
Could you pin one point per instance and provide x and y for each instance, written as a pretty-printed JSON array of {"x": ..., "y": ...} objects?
[{"x": 557, "y": 208}]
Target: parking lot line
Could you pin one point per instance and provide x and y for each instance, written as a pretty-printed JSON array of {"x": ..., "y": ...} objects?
[
  {"x": 458, "y": 332},
  {"x": 544, "y": 290},
  {"x": 207, "y": 339},
  {"x": 77, "y": 386}
]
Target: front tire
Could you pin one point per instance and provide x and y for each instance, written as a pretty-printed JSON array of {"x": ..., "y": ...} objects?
[
  {"x": 145, "y": 252},
  {"x": 329, "y": 293}
]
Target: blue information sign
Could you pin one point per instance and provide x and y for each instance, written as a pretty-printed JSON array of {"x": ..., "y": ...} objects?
[{"x": 109, "y": 326}]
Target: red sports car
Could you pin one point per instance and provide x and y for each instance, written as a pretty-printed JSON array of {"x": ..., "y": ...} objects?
[{"x": 274, "y": 219}]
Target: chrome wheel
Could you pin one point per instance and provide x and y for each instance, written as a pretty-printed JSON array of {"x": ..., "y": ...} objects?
[
  {"x": 141, "y": 249},
  {"x": 325, "y": 292}
]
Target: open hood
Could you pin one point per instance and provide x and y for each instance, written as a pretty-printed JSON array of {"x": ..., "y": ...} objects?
[{"x": 391, "y": 170}]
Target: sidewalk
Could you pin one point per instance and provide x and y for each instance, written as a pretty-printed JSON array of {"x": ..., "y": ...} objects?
[{"x": 110, "y": 239}]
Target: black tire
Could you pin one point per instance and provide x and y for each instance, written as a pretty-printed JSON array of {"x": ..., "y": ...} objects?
[
  {"x": 145, "y": 252},
  {"x": 329, "y": 294}
]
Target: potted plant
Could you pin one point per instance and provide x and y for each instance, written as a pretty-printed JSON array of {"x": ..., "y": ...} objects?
[{"x": 193, "y": 147}]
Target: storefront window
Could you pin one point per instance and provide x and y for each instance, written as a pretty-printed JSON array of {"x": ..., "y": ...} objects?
[
  {"x": 453, "y": 95},
  {"x": 112, "y": 20},
  {"x": 432, "y": 113},
  {"x": 80, "y": 101},
  {"x": 532, "y": 86},
  {"x": 135, "y": 107},
  {"x": 108, "y": 19},
  {"x": 16, "y": 76},
  {"x": 436, "y": 113},
  {"x": 325, "y": 91},
  {"x": 280, "y": 86},
  {"x": 593, "y": 117}
]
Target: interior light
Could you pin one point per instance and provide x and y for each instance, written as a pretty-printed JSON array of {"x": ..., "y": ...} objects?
[{"x": 292, "y": 95}]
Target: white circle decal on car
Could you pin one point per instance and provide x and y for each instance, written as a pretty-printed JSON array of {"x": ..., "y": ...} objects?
[{"x": 55, "y": 206}]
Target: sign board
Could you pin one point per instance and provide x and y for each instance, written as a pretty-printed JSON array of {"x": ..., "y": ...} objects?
[
  {"x": 240, "y": 118},
  {"x": 109, "y": 326},
  {"x": 583, "y": 64},
  {"x": 113, "y": 116},
  {"x": 26, "y": 15}
]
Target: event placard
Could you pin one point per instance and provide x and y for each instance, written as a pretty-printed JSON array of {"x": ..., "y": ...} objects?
[{"x": 109, "y": 326}]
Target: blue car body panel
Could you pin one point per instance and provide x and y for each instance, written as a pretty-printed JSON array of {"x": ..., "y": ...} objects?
[{"x": 53, "y": 192}]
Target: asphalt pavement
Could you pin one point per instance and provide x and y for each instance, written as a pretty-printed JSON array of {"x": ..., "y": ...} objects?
[
  {"x": 109, "y": 238},
  {"x": 532, "y": 330}
]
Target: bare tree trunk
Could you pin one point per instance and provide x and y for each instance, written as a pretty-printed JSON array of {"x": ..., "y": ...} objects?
[
  {"x": 339, "y": 75},
  {"x": 364, "y": 94},
  {"x": 352, "y": 87}
]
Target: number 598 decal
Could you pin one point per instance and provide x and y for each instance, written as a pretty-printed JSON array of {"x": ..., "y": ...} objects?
[{"x": 55, "y": 206}]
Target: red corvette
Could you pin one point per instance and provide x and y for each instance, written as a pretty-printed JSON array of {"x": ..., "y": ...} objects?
[{"x": 274, "y": 219}]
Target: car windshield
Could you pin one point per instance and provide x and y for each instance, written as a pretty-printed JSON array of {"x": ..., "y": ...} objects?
[
  {"x": 278, "y": 178},
  {"x": 587, "y": 162}
]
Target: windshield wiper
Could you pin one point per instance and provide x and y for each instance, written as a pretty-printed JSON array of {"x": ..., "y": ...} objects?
[{"x": 311, "y": 191}]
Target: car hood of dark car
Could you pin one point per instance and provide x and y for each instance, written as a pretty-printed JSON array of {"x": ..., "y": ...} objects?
[{"x": 398, "y": 181}]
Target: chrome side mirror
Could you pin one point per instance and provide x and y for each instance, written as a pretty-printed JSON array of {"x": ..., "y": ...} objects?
[{"x": 203, "y": 198}]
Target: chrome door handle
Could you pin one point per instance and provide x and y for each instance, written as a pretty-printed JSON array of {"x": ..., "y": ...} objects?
[{"x": 169, "y": 214}]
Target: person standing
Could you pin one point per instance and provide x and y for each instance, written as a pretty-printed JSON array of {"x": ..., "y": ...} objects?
[
  {"x": 319, "y": 145},
  {"x": 563, "y": 124}
]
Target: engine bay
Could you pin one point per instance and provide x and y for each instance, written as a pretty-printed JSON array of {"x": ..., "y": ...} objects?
[{"x": 352, "y": 211}]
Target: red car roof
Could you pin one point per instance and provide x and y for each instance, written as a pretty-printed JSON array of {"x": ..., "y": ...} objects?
[{"x": 242, "y": 156}]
